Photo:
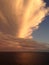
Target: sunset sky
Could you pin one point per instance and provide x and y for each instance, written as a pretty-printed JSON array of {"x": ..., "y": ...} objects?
[
  {"x": 42, "y": 34},
  {"x": 9, "y": 18}
]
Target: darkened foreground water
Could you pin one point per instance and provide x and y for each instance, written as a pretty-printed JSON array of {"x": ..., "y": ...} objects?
[{"x": 24, "y": 58}]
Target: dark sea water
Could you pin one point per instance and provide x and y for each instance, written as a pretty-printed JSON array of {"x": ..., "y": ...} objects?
[{"x": 24, "y": 58}]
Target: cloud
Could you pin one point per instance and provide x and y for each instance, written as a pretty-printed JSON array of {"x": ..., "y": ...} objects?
[
  {"x": 10, "y": 43},
  {"x": 33, "y": 14},
  {"x": 8, "y": 18},
  {"x": 17, "y": 17}
]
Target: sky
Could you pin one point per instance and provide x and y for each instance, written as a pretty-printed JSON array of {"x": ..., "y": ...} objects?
[
  {"x": 42, "y": 34},
  {"x": 9, "y": 24}
]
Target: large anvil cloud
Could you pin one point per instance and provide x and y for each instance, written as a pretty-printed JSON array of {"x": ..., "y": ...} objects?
[{"x": 17, "y": 17}]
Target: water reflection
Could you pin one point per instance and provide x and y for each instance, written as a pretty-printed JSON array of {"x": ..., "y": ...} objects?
[{"x": 24, "y": 58}]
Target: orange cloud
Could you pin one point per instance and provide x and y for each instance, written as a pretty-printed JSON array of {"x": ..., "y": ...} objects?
[
  {"x": 32, "y": 13},
  {"x": 19, "y": 16}
]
